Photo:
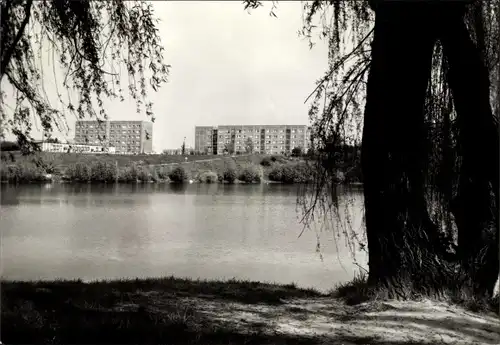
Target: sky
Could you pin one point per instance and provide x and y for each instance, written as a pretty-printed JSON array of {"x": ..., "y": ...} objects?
[{"x": 229, "y": 66}]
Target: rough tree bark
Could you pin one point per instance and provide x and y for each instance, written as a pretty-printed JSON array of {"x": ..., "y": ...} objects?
[
  {"x": 393, "y": 150},
  {"x": 475, "y": 212},
  {"x": 394, "y": 154}
]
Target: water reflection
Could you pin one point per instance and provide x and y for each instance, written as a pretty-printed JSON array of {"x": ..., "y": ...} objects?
[
  {"x": 178, "y": 188},
  {"x": 9, "y": 195},
  {"x": 200, "y": 230}
]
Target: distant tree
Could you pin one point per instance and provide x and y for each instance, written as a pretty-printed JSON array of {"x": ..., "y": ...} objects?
[
  {"x": 9, "y": 146},
  {"x": 229, "y": 148},
  {"x": 178, "y": 175},
  {"x": 297, "y": 151},
  {"x": 249, "y": 145},
  {"x": 52, "y": 140},
  {"x": 183, "y": 147},
  {"x": 90, "y": 40}
]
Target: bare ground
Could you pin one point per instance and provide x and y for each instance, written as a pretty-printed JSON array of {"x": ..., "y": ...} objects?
[
  {"x": 326, "y": 320},
  {"x": 181, "y": 311}
]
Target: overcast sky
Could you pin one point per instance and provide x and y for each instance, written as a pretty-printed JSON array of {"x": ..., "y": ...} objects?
[{"x": 228, "y": 67}]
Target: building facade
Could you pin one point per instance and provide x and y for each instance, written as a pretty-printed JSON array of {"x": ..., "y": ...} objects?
[
  {"x": 265, "y": 139},
  {"x": 128, "y": 137}
]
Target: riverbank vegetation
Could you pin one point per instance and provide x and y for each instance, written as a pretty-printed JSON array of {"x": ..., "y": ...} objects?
[
  {"x": 110, "y": 169},
  {"x": 183, "y": 311}
]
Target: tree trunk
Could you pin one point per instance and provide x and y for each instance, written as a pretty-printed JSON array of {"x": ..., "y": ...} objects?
[
  {"x": 475, "y": 212},
  {"x": 394, "y": 156},
  {"x": 393, "y": 151}
]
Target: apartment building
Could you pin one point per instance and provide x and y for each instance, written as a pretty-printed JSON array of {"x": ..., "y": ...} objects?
[
  {"x": 128, "y": 137},
  {"x": 266, "y": 139}
]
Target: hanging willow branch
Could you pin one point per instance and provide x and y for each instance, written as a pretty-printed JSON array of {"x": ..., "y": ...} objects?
[
  {"x": 337, "y": 105},
  {"x": 90, "y": 41}
]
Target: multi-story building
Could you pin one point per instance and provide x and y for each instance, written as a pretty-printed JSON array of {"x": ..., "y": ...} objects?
[
  {"x": 266, "y": 139},
  {"x": 126, "y": 136}
]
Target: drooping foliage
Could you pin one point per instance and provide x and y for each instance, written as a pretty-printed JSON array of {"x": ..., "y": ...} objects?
[
  {"x": 338, "y": 111},
  {"x": 337, "y": 106},
  {"x": 91, "y": 41},
  {"x": 337, "y": 114}
]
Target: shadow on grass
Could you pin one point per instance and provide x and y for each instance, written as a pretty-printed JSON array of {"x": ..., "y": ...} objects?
[
  {"x": 182, "y": 311},
  {"x": 125, "y": 312}
]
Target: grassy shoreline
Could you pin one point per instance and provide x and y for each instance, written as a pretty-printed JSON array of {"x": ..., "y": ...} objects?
[
  {"x": 183, "y": 311},
  {"x": 130, "y": 311},
  {"x": 44, "y": 167}
]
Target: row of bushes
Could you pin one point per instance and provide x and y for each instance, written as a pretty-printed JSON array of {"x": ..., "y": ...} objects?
[
  {"x": 248, "y": 174},
  {"x": 291, "y": 173},
  {"x": 107, "y": 172},
  {"x": 302, "y": 172},
  {"x": 101, "y": 171},
  {"x": 22, "y": 173}
]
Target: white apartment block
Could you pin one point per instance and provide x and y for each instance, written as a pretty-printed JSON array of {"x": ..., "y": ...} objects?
[
  {"x": 266, "y": 139},
  {"x": 128, "y": 137}
]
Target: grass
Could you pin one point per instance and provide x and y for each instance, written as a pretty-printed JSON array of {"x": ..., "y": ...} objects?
[
  {"x": 66, "y": 159},
  {"x": 132, "y": 311},
  {"x": 358, "y": 291},
  {"x": 180, "y": 311}
]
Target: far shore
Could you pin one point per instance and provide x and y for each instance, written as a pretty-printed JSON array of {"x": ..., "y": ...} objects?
[{"x": 249, "y": 169}]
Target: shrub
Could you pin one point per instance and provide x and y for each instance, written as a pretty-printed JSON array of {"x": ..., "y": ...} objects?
[
  {"x": 229, "y": 175},
  {"x": 276, "y": 173},
  {"x": 22, "y": 173},
  {"x": 265, "y": 162},
  {"x": 79, "y": 172},
  {"x": 208, "y": 177},
  {"x": 154, "y": 175},
  {"x": 143, "y": 174},
  {"x": 291, "y": 173},
  {"x": 297, "y": 152},
  {"x": 249, "y": 175},
  {"x": 283, "y": 173},
  {"x": 178, "y": 175},
  {"x": 303, "y": 173},
  {"x": 103, "y": 172},
  {"x": 129, "y": 174},
  {"x": 162, "y": 174}
]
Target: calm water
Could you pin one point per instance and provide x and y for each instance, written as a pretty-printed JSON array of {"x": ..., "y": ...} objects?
[{"x": 197, "y": 231}]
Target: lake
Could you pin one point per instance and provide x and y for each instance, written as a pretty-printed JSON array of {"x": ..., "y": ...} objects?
[{"x": 198, "y": 231}]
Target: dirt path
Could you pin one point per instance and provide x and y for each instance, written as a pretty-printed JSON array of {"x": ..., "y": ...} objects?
[{"x": 330, "y": 321}]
